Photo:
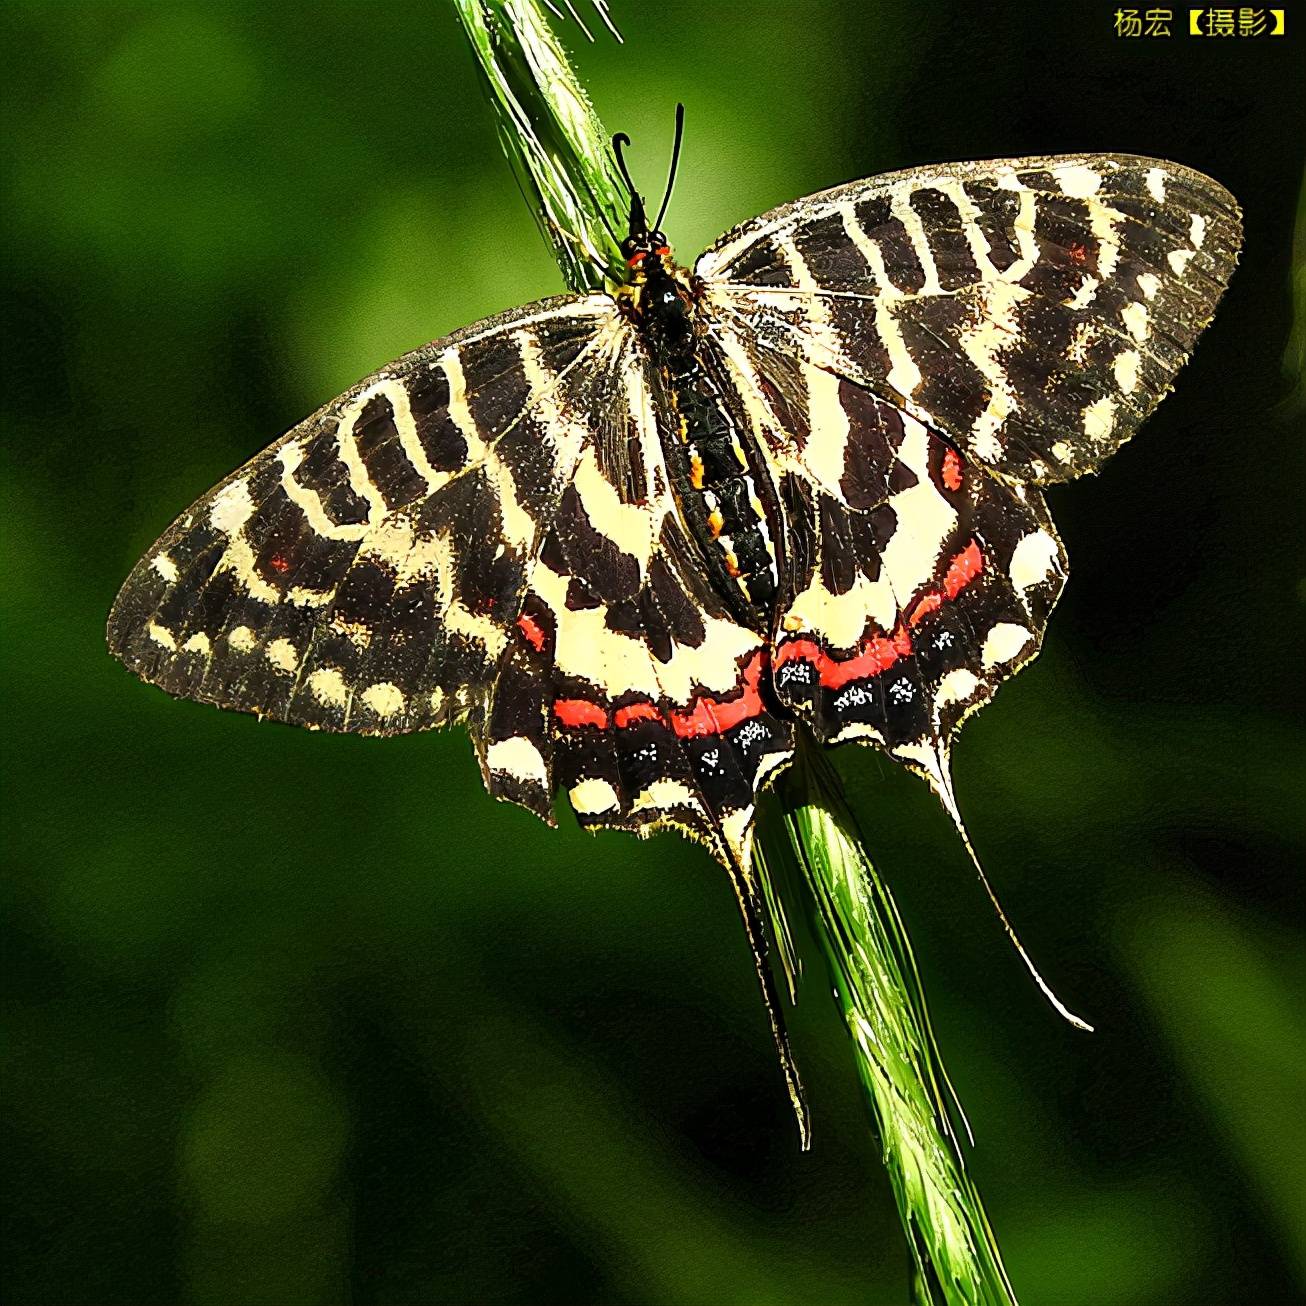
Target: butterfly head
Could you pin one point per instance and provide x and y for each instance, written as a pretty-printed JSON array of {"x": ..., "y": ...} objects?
[{"x": 640, "y": 246}]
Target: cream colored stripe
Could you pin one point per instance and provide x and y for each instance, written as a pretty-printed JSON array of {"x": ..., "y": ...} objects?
[
  {"x": 460, "y": 412},
  {"x": 981, "y": 343},
  {"x": 904, "y": 376},
  {"x": 970, "y": 216},
  {"x": 239, "y": 559},
  {"x": 760, "y": 417},
  {"x": 1102, "y": 221},
  {"x": 406, "y": 425},
  {"x": 901, "y": 208},
  {"x": 869, "y": 250},
  {"x": 1023, "y": 226},
  {"x": 309, "y": 502},
  {"x": 826, "y": 451},
  {"x": 518, "y": 525},
  {"x": 359, "y": 480},
  {"x": 925, "y": 520}
]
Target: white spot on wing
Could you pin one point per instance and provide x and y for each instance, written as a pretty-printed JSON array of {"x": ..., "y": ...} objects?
[
  {"x": 231, "y": 508},
  {"x": 957, "y": 686},
  {"x": 664, "y": 794},
  {"x": 1135, "y": 319},
  {"x": 517, "y": 757},
  {"x": 1077, "y": 181},
  {"x": 162, "y": 636},
  {"x": 329, "y": 687},
  {"x": 1125, "y": 367},
  {"x": 241, "y": 638},
  {"x": 1034, "y": 558},
  {"x": 1003, "y": 643},
  {"x": 1023, "y": 226},
  {"x": 283, "y": 655},
  {"x": 593, "y": 797},
  {"x": 165, "y": 566},
  {"x": 1156, "y": 184},
  {"x": 383, "y": 698}
]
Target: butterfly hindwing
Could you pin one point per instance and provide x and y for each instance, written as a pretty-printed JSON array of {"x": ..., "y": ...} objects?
[
  {"x": 1033, "y": 311},
  {"x": 905, "y": 616},
  {"x": 916, "y": 581},
  {"x": 629, "y": 682}
]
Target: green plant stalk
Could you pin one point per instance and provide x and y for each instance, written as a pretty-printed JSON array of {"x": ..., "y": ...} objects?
[
  {"x": 955, "y": 1258},
  {"x": 552, "y": 136},
  {"x": 560, "y": 153}
]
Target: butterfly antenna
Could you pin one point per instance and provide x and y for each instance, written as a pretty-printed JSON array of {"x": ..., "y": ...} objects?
[
  {"x": 936, "y": 769},
  {"x": 638, "y": 218},
  {"x": 618, "y": 141},
  {"x": 675, "y": 163}
]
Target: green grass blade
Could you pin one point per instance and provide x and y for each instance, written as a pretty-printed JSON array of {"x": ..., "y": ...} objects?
[
  {"x": 852, "y": 915},
  {"x": 552, "y": 137},
  {"x": 561, "y": 155}
]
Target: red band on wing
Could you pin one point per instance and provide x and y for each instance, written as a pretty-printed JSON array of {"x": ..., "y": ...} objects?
[
  {"x": 580, "y": 712},
  {"x": 951, "y": 470},
  {"x": 704, "y": 716},
  {"x": 878, "y": 653},
  {"x": 924, "y": 608},
  {"x": 626, "y": 716},
  {"x": 962, "y": 570},
  {"x": 712, "y": 716},
  {"x": 532, "y": 631}
]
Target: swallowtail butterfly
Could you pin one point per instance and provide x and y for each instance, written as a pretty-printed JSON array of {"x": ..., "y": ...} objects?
[{"x": 637, "y": 541}]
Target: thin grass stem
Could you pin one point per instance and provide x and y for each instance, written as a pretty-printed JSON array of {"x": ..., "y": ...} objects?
[{"x": 809, "y": 841}]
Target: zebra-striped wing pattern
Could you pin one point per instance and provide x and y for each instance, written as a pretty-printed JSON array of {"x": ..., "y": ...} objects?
[
  {"x": 916, "y": 580},
  {"x": 1032, "y": 311},
  {"x": 915, "y": 351},
  {"x": 484, "y": 532},
  {"x": 487, "y": 531}
]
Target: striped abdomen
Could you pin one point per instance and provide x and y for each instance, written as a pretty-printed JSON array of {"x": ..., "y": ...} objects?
[{"x": 718, "y": 494}]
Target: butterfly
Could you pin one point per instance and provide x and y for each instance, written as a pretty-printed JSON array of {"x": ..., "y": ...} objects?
[{"x": 639, "y": 541}]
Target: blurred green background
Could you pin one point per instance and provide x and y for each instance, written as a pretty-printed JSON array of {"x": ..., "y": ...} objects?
[{"x": 303, "y": 1019}]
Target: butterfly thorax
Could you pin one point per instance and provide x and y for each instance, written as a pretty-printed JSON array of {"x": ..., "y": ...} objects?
[{"x": 707, "y": 451}]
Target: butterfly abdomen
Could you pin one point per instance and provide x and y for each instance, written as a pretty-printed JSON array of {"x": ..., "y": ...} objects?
[{"x": 718, "y": 494}]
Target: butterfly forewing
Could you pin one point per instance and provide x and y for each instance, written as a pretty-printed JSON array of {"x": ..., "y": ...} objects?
[
  {"x": 360, "y": 573},
  {"x": 1033, "y": 311}
]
